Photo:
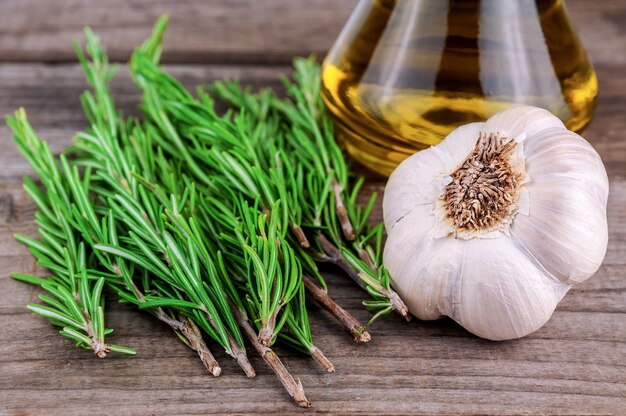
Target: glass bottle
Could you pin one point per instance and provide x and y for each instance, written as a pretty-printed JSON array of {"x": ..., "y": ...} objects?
[{"x": 404, "y": 73}]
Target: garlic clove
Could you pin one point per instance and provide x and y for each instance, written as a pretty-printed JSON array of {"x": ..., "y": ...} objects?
[
  {"x": 521, "y": 120},
  {"x": 453, "y": 150},
  {"x": 570, "y": 251},
  {"x": 568, "y": 181},
  {"x": 499, "y": 292},
  {"x": 411, "y": 252},
  {"x": 415, "y": 187},
  {"x": 560, "y": 153}
]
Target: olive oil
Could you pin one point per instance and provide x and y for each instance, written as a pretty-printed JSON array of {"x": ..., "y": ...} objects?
[{"x": 404, "y": 73}]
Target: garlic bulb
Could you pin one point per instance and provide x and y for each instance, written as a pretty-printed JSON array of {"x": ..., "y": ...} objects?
[{"x": 493, "y": 226}]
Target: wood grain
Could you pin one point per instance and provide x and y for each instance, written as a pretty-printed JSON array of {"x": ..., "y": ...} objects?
[
  {"x": 227, "y": 31},
  {"x": 207, "y": 31},
  {"x": 575, "y": 364}
]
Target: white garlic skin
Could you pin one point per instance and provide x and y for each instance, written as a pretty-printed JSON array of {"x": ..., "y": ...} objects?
[{"x": 504, "y": 284}]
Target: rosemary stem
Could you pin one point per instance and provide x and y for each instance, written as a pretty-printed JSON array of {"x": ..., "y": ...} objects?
[
  {"x": 293, "y": 387},
  {"x": 184, "y": 326},
  {"x": 266, "y": 334},
  {"x": 322, "y": 360},
  {"x": 396, "y": 303},
  {"x": 342, "y": 214},
  {"x": 242, "y": 359},
  {"x": 175, "y": 324},
  {"x": 365, "y": 256},
  {"x": 192, "y": 333},
  {"x": 298, "y": 232},
  {"x": 99, "y": 348},
  {"x": 235, "y": 351},
  {"x": 336, "y": 257},
  {"x": 355, "y": 328}
]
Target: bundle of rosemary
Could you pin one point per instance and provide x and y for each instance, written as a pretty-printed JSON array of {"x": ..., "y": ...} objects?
[
  {"x": 213, "y": 223},
  {"x": 271, "y": 148}
]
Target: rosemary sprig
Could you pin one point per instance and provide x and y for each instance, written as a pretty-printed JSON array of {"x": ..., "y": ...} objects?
[
  {"x": 75, "y": 300},
  {"x": 175, "y": 276},
  {"x": 256, "y": 248},
  {"x": 272, "y": 270},
  {"x": 237, "y": 290},
  {"x": 326, "y": 207},
  {"x": 263, "y": 140},
  {"x": 63, "y": 223},
  {"x": 253, "y": 238},
  {"x": 343, "y": 221}
]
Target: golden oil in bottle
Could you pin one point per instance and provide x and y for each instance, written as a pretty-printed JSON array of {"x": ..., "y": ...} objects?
[{"x": 405, "y": 73}]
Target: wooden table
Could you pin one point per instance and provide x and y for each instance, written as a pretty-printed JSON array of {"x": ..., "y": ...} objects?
[{"x": 575, "y": 364}]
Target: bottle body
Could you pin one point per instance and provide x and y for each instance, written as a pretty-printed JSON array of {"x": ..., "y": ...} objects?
[{"x": 404, "y": 73}]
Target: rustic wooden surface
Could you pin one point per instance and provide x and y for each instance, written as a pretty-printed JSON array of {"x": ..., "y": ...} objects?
[{"x": 576, "y": 364}]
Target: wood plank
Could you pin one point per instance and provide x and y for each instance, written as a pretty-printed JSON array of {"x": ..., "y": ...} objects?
[
  {"x": 201, "y": 30},
  {"x": 574, "y": 352},
  {"x": 600, "y": 26},
  {"x": 218, "y": 31},
  {"x": 417, "y": 368}
]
